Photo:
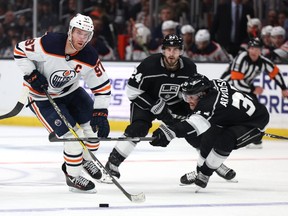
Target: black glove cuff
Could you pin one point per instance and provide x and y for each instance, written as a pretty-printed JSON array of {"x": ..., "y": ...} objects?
[
  {"x": 32, "y": 77},
  {"x": 100, "y": 112}
]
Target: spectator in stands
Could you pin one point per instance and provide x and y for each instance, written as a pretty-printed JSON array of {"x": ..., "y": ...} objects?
[
  {"x": 166, "y": 13},
  {"x": 139, "y": 45},
  {"x": 280, "y": 47},
  {"x": 4, "y": 40},
  {"x": 266, "y": 40},
  {"x": 206, "y": 50},
  {"x": 24, "y": 27},
  {"x": 283, "y": 21},
  {"x": 9, "y": 20},
  {"x": 47, "y": 18},
  {"x": 108, "y": 30},
  {"x": 117, "y": 13},
  {"x": 144, "y": 15},
  {"x": 271, "y": 18},
  {"x": 227, "y": 28},
  {"x": 187, "y": 32},
  {"x": 99, "y": 42},
  {"x": 254, "y": 27}
]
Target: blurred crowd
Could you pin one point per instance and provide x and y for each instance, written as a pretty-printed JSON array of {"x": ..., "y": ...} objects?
[{"x": 126, "y": 30}]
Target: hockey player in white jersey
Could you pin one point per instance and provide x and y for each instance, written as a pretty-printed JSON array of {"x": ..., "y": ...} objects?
[{"x": 56, "y": 62}]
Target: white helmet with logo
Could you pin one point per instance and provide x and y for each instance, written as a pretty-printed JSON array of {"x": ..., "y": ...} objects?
[{"x": 82, "y": 22}]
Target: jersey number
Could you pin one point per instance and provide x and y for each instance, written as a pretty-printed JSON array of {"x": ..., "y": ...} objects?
[
  {"x": 29, "y": 45},
  {"x": 240, "y": 100}
]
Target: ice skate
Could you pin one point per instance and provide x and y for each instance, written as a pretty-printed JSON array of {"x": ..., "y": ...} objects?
[
  {"x": 188, "y": 179},
  {"x": 226, "y": 173},
  {"x": 113, "y": 170},
  {"x": 255, "y": 145},
  {"x": 92, "y": 169},
  {"x": 201, "y": 180},
  {"x": 78, "y": 184}
]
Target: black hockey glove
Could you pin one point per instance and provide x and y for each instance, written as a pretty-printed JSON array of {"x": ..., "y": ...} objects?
[
  {"x": 161, "y": 111},
  {"x": 99, "y": 122},
  {"x": 37, "y": 81},
  {"x": 163, "y": 135}
]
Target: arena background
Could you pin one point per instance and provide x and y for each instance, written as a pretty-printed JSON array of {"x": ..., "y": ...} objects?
[{"x": 119, "y": 73}]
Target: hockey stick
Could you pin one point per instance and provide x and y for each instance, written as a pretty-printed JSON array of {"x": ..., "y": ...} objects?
[
  {"x": 19, "y": 106},
  {"x": 274, "y": 136},
  {"x": 134, "y": 198},
  {"x": 54, "y": 138}
]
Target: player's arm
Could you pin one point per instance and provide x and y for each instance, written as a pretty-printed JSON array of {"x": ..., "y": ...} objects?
[
  {"x": 26, "y": 53},
  {"x": 99, "y": 83},
  {"x": 194, "y": 125},
  {"x": 137, "y": 93},
  {"x": 274, "y": 73}
]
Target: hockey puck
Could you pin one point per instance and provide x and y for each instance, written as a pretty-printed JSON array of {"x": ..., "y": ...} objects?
[{"x": 105, "y": 205}]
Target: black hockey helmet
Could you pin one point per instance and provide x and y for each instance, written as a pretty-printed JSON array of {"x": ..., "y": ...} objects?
[
  {"x": 255, "y": 42},
  {"x": 172, "y": 40},
  {"x": 195, "y": 85}
]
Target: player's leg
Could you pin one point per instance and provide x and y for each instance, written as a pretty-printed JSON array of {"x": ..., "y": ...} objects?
[
  {"x": 224, "y": 141},
  {"x": 141, "y": 122},
  {"x": 217, "y": 144},
  {"x": 72, "y": 151},
  {"x": 223, "y": 171},
  {"x": 81, "y": 108}
]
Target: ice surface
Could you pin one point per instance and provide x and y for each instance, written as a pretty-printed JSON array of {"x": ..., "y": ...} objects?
[{"x": 32, "y": 183}]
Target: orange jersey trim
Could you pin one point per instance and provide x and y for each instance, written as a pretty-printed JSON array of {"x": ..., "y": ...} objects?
[
  {"x": 274, "y": 72},
  {"x": 235, "y": 75}
]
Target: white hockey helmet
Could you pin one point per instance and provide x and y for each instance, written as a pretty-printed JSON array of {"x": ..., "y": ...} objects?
[
  {"x": 202, "y": 35},
  {"x": 278, "y": 30},
  {"x": 187, "y": 29},
  {"x": 81, "y": 22},
  {"x": 254, "y": 22},
  {"x": 266, "y": 30},
  {"x": 169, "y": 24},
  {"x": 143, "y": 34}
]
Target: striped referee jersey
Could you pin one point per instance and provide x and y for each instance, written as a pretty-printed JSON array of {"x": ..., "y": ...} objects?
[{"x": 242, "y": 71}]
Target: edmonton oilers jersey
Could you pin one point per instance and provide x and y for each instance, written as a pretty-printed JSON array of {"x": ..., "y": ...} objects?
[{"x": 62, "y": 71}]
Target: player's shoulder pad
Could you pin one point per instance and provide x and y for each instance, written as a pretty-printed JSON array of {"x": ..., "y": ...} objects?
[
  {"x": 54, "y": 43},
  {"x": 88, "y": 55},
  {"x": 151, "y": 63}
]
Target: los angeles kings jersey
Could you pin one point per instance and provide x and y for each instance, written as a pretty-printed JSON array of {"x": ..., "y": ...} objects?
[
  {"x": 63, "y": 72},
  {"x": 152, "y": 81},
  {"x": 225, "y": 106}
]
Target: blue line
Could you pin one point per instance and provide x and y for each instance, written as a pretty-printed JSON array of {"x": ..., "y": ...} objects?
[{"x": 147, "y": 207}]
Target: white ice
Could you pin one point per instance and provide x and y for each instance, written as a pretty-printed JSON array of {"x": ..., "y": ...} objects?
[{"x": 32, "y": 183}]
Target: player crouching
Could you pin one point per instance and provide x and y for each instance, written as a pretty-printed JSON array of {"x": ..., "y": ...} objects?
[{"x": 222, "y": 119}]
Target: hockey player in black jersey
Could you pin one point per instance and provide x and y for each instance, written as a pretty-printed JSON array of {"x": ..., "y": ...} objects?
[
  {"x": 56, "y": 62},
  {"x": 222, "y": 119},
  {"x": 154, "y": 90}
]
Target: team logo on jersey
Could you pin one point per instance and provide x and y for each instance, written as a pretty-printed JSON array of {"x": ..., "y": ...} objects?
[
  {"x": 58, "y": 122},
  {"x": 169, "y": 91},
  {"x": 61, "y": 77}
]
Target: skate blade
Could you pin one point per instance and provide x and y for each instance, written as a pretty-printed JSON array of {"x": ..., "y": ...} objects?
[
  {"x": 232, "y": 180},
  {"x": 75, "y": 190},
  {"x": 197, "y": 189},
  {"x": 253, "y": 146},
  {"x": 183, "y": 185}
]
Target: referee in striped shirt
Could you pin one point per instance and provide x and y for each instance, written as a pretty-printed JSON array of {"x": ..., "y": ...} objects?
[{"x": 247, "y": 65}]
